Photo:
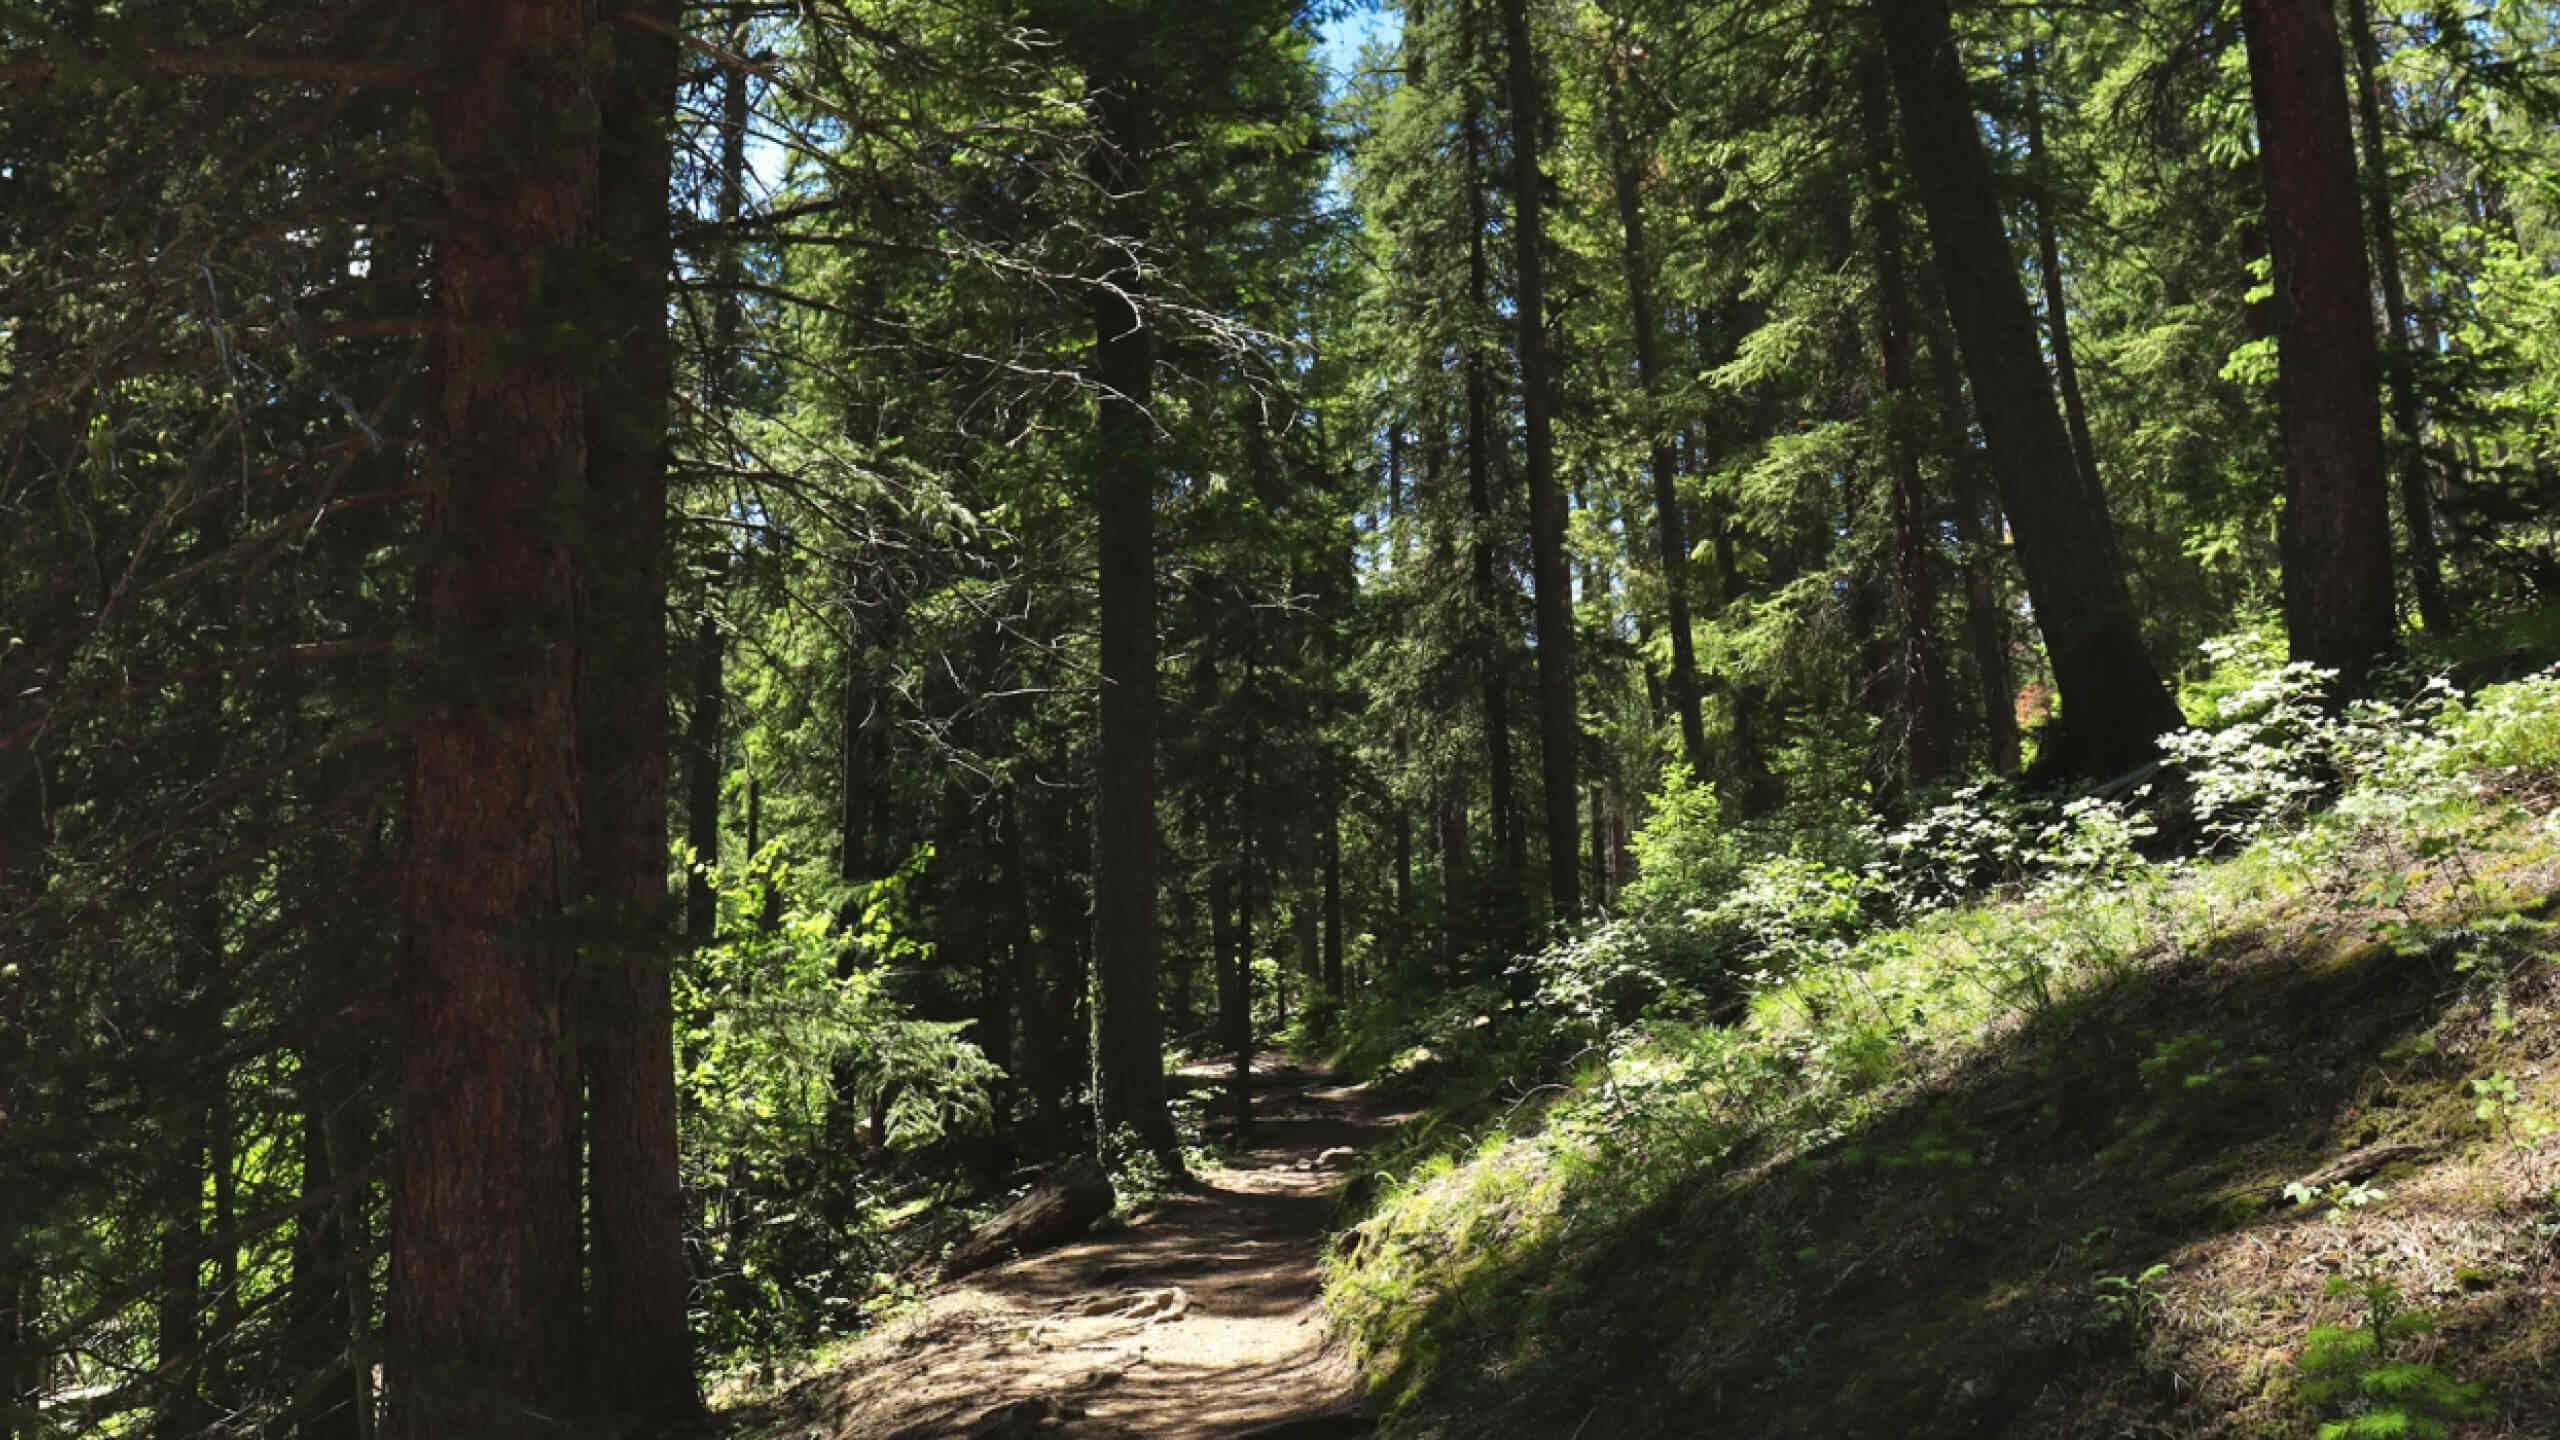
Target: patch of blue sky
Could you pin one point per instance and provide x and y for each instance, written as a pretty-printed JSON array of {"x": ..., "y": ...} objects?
[{"x": 1341, "y": 39}]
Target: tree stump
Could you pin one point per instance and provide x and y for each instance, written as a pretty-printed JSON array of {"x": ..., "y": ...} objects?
[{"x": 1064, "y": 1205}]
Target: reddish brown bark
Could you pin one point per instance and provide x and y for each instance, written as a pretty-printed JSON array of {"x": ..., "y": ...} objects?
[
  {"x": 484, "y": 1267},
  {"x": 2336, "y": 532}
]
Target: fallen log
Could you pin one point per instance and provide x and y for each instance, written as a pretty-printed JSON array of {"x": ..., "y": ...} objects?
[{"x": 1064, "y": 1205}]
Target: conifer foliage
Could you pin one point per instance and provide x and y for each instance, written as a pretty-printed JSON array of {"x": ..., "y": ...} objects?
[{"x": 632, "y": 636}]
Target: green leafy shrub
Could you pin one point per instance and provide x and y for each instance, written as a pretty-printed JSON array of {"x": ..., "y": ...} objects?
[
  {"x": 787, "y": 1040},
  {"x": 1684, "y": 850},
  {"x": 2513, "y": 728},
  {"x": 1975, "y": 839},
  {"x": 2269, "y": 757}
]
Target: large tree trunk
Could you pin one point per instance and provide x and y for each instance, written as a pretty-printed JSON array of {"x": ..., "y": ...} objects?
[
  {"x": 1559, "y": 717},
  {"x": 1923, "y": 672},
  {"x": 485, "y": 1255},
  {"x": 1670, "y": 532},
  {"x": 2114, "y": 705},
  {"x": 2335, "y": 536},
  {"x": 2417, "y": 497},
  {"x": 1128, "y": 1050},
  {"x": 642, "y": 1344}
]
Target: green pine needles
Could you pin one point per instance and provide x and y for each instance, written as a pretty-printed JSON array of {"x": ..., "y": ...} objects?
[{"x": 2364, "y": 1372}]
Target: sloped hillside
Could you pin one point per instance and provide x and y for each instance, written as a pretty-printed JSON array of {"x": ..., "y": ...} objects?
[{"x": 2096, "y": 1153}]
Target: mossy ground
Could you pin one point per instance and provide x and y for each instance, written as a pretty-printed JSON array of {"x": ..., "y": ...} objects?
[{"x": 1923, "y": 1253}]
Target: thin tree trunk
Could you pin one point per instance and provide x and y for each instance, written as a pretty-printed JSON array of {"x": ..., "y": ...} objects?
[
  {"x": 1452, "y": 826},
  {"x": 2114, "y": 704},
  {"x": 1493, "y": 647},
  {"x": 188, "y": 1110},
  {"x": 222, "y": 1134},
  {"x": 1039, "y": 1020},
  {"x": 710, "y": 657},
  {"x": 702, "y": 765},
  {"x": 1333, "y": 977},
  {"x": 1599, "y": 846},
  {"x": 25, "y": 831},
  {"x": 1559, "y": 718},
  {"x": 1923, "y": 672},
  {"x": 1304, "y": 918},
  {"x": 1223, "y": 889},
  {"x": 1401, "y": 827},
  {"x": 1986, "y": 615},
  {"x": 1671, "y": 533},
  {"x": 1750, "y": 787},
  {"x": 1068, "y": 936},
  {"x": 485, "y": 1254},
  {"x": 1239, "y": 1036},
  {"x": 2057, "y": 313},
  {"x": 2335, "y": 534},
  {"x": 331, "y": 1301},
  {"x": 2417, "y": 497},
  {"x": 853, "y": 858},
  {"x": 320, "y": 1273},
  {"x": 177, "y": 1335}
]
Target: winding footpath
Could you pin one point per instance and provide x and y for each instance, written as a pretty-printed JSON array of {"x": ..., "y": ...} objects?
[{"x": 1201, "y": 1322}]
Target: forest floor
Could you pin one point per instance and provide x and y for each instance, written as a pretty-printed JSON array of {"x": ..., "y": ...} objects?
[{"x": 1201, "y": 1320}]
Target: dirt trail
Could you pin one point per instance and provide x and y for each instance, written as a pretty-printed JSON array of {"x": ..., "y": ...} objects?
[{"x": 1200, "y": 1322}]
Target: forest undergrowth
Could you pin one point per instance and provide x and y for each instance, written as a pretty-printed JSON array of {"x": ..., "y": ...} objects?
[{"x": 2227, "y": 1109}]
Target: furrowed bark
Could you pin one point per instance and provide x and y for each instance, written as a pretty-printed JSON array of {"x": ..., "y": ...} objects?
[
  {"x": 2335, "y": 535},
  {"x": 485, "y": 1254}
]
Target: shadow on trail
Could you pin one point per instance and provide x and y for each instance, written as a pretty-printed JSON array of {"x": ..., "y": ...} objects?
[{"x": 1222, "y": 1335}]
